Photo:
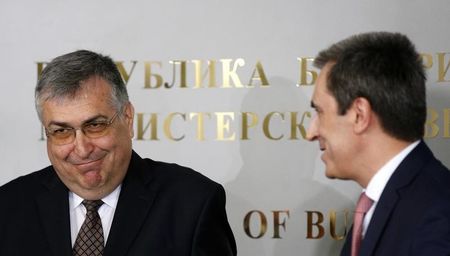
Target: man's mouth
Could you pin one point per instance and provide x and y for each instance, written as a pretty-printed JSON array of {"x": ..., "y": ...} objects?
[
  {"x": 322, "y": 147},
  {"x": 89, "y": 165},
  {"x": 85, "y": 162},
  {"x": 92, "y": 159}
]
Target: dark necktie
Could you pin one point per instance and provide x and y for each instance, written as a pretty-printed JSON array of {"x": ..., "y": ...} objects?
[
  {"x": 90, "y": 241},
  {"x": 363, "y": 205}
]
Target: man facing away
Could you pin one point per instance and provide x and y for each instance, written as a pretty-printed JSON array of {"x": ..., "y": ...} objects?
[
  {"x": 99, "y": 197},
  {"x": 370, "y": 108}
]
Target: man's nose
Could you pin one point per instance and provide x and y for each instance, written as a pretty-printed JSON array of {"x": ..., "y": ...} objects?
[
  {"x": 83, "y": 145},
  {"x": 312, "y": 132}
]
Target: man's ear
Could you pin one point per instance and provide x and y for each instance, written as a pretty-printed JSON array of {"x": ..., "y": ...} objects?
[
  {"x": 363, "y": 114},
  {"x": 129, "y": 117}
]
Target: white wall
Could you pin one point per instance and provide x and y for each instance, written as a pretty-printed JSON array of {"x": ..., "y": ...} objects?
[{"x": 258, "y": 173}]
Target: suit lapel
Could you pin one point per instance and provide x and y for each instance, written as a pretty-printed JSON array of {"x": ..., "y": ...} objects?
[
  {"x": 346, "y": 249},
  {"x": 403, "y": 175},
  {"x": 134, "y": 203},
  {"x": 379, "y": 220},
  {"x": 53, "y": 209},
  {"x": 376, "y": 226}
]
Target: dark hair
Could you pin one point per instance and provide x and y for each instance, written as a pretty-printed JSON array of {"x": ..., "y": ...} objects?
[
  {"x": 386, "y": 69},
  {"x": 64, "y": 76}
]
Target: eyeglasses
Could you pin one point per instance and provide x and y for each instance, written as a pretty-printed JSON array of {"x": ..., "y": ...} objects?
[{"x": 92, "y": 130}]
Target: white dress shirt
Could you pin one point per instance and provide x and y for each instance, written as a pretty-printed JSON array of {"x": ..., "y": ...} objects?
[
  {"x": 380, "y": 179},
  {"x": 78, "y": 213}
]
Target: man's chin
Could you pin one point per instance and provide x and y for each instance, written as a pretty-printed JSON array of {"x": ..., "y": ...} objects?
[
  {"x": 92, "y": 179},
  {"x": 330, "y": 175}
]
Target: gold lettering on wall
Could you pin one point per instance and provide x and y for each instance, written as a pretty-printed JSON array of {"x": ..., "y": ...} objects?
[
  {"x": 229, "y": 75},
  {"x": 193, "y": 73},
  {"x": 298, "y": 126},
  {"x": 431, "y": 127},
  {"x": 446, "y": 123},
  {"x": 307, "y": 76},
  {"x": 261, "y": 222},
  {"x": 40, "y": 68},
  {"x": 168, "y": 124},
  {"x": 427, "y": 60},
  {"x": 256, "y": 224},
  {"x": 225, "y": 124},
  {"x": 259, "y": 75},
  {"x": 333, "y": 224},
  {"x": 436, "y": 118},
  {"x": 182, "y": 78},
  {"x": 200, "y": 123},
  {"x": 316, "y": 225},
  {"x": 266, "y": 125},
  {"x": 125, "y": 75},
  {"x": 142, "y": 129},
  {"x": 210, "y": 72},
  {"x": 246, "y": 125},
  {"x": 227, "y": 127},
  {"x": 314, "y": 230},
  {"x": 278, "y": 222},
  {"x": 443, "y": 67},
  {"x": 149, "y": 75}
]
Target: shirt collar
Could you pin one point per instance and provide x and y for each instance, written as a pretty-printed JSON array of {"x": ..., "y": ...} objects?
[
  {"x": 110, "y": 200},
  {"x": 382, "y": 176}
]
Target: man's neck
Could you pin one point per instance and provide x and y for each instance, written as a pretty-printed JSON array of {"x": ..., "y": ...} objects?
[{"x": 376, "y": 154}]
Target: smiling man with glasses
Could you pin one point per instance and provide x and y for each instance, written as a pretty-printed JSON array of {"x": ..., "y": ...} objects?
[{"x": 99, "y": 197}]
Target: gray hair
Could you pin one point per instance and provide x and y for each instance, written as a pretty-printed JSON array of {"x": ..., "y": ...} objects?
[{"x": 63, "y": 77}]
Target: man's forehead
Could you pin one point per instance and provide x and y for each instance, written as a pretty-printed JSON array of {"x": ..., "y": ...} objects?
[
  {"x": 75, "y": 109},
  {"x": 321, "y": 85},
  {"x": 72, "y": 115}
]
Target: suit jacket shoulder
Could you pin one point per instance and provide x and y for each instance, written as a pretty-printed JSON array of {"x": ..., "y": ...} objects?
[
  {"x": 167, "y": 209},
  {"x": 412, "y": 215},
  {"x": 35, "y": 210}
]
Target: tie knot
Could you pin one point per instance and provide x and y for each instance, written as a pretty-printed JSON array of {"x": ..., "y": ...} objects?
[
  {"x": 92, "y": 205},
  {"x": 364, "y": 203}
]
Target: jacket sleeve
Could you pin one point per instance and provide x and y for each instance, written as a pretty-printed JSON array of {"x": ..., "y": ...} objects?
[{"x": 213, "y": 235}]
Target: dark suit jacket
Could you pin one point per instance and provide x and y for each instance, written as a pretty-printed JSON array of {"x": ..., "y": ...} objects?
[
  {"x": 412, "y": 216},
  {"x": 163, "y": 209}
]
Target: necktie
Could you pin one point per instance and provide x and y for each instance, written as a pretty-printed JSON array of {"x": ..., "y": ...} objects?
[
  {"x": 363, "y": 205},
  {"x": 90, "y": 241}
]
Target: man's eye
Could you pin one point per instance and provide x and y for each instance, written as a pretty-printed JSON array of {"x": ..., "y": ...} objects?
[
  {"x": 95, "y": 126},
  {"x": 60, "y": 131}
]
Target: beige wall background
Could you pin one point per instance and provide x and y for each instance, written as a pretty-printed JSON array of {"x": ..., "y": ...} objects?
[{"x": 234, "y": 106}]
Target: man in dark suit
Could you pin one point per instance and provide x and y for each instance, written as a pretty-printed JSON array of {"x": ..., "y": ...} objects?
[
  {"x": 99, "y": 197},
  {"x": 371, "y": 110}
]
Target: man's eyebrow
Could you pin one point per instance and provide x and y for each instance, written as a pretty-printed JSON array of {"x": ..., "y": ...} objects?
[
  {"x": 316, "y": 107},
  {"x": 93, "y": 119},
  {"x": 65, "y": 124}
]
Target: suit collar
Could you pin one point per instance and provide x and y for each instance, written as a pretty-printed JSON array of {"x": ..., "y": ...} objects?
[
  {"x": 408, "y": 169},
  {"x": 135, "y": 201},
  {"x": 379, "y": 181},
  {"x": 53, "y": 208}
]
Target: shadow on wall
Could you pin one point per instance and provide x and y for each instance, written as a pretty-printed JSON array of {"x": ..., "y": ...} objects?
[{"x": 278, "y": 175}]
